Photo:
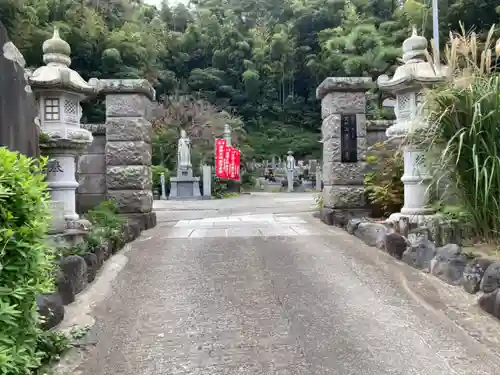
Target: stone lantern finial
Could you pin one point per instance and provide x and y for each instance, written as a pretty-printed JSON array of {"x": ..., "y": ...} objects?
[
  {"x": 414, "y": 47},
  {"x": 56, "y": 51}
]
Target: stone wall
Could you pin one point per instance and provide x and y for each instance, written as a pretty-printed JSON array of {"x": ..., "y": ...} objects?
[
  {"x": 18, "y": 109},
  {"x": 91, "y": 170}
]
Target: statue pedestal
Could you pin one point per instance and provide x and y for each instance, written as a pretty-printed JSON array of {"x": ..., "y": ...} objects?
[{"x": 185, "y": 186}]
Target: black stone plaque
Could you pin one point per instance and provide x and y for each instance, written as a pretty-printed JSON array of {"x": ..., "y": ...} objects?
[{"x": 349, "y": 139}]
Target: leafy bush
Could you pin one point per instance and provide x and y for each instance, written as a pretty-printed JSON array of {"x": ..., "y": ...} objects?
[
  {"x": 25, "y": 259},
  {"x": 248, "y": 179},
  {"x": 383, "y": 184},
  {"x": 219, "y": 188},
  {"x": 108, "y": 223}
]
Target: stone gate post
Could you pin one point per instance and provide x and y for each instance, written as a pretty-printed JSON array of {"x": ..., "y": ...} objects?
[
  {"x": 344, "y": 143},
  {"x": 128, "y": 147}
]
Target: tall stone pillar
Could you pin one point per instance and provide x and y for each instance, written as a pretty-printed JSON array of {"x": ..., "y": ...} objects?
[
  {"x": 128, "y": 148},
  {"x": 344, "y": 143}
]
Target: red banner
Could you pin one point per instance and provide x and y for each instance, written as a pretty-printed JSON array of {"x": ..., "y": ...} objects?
[
  {"x": 227, "y": 161},
  {"x": 220, "y": 153},
  {"x": 227, "y": 156},
  {"x": 232, "y": 164},
  {"x": 237, "y": 164}
]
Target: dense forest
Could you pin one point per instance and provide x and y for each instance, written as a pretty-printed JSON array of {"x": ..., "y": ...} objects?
[{"x": 253, "y": 63}]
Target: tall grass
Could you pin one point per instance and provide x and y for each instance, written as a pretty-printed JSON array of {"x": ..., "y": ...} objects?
[{"x": 464, "y": 116}]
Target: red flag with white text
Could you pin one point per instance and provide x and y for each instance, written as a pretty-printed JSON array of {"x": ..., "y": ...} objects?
[
  {"x": 220, "y": 154},
  {"x": 237, "y": 165}
]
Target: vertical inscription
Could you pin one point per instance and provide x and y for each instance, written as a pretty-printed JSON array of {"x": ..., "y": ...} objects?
[{"x": 349, "y": 139}]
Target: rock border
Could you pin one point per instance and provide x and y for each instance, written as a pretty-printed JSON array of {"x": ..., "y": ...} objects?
[
  {"x": 423, "y": 249},
  {"x": 74, "y": 272}
]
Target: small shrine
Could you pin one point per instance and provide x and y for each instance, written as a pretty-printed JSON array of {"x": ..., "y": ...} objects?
[
  {"x": 59, "y": 90},
  {"x": 407, "y": 84}
]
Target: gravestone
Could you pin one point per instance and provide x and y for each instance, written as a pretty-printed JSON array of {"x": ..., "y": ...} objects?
[
  {"x": 184, "y": 186},
  {"x": 207, "y": 181},
  {"x": 343, "y": 104}
]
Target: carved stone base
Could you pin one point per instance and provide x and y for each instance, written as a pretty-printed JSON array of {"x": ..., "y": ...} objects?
[{"x": 185, "y": 188}]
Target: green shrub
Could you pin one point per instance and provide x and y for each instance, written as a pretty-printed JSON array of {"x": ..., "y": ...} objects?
[
  {"x": 219, "y": 188},
  {"x": 383, "y": 185},
  {"x": 108, "y": 223},
  {"x": 25, "y": 260},
  {"x": 105, "y": 215}
]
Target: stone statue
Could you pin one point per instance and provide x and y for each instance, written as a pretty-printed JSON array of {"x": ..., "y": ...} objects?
[{"x": 183, "y": 151}]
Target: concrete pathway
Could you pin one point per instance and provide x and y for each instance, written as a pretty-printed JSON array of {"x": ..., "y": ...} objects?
[{"x": 256, "y": 286}]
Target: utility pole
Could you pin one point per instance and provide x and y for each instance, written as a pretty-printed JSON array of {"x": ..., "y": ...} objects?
[{"x": 435, "y": 33}]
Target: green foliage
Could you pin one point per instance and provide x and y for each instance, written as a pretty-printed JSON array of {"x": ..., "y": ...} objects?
[
  {"x": 25, "y": 259},
  {"x": 383, "y": 184},
  {"x": 224, "y": 188},
  {"x": 259, "y": 61},
  {"x": 157, "y": 170},
  {"x": 53, "y": 344},
  {"x": 465, "y": 130},
  {"x": 318, "y": 198},
  {"x": 108, "y": 223},
  {"x": 105, "y": 215}
]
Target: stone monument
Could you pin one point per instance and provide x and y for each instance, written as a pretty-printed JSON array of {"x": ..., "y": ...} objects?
[
  {"x": 343, "y": 103},
  {"x": 290, "y": 170},
  {"x": 184, "y": 186},
  {"x": 407, "y": 84},
  {"x": 58, "y": 90}
]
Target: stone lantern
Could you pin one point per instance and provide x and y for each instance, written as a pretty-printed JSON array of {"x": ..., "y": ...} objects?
[
  {"x": 407, "y": 84},
  {"x": 59, "y": 91}
]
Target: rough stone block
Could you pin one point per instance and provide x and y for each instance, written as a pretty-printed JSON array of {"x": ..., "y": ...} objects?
[
  {"x": 449, "y": 264},
  {"x": 51, "y": 310},
  {"x": 85, "y": 202},
  {"x": 473, "y": 274},
  {"x": 133, "y": 177},
  {"x": 72, "y": 278},
  {"x": 92, "y": 266},
  {"x": 129, "y": 129},
  {"x": 490, "y": 302},
  {"x": 132, "y": 201},
  {"x": 128, "y": 153},
  {"x": 341, "y": 217},
  {"x": 343, "y": 102},
  {"x": 420, "y": 254},
  {"x": 491, "y": 278},
  {"x": 371, "y": 233},
  {"x": 343, "y": 84},
  {"x": 127, "y": 105},
  {"x": 97, "y": 145},
  {"x": 127, "y": 86},
  {"x": 332, "y": 151},
  {"x": 331, "y": 126},
  {"x": 344, "y": 197},
  {"x": 337, "y": 173},
  {"x": 91, "y": 184},
  {"x": 96, "y": 129},
  {"x": 92, "y": 163}
]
